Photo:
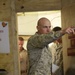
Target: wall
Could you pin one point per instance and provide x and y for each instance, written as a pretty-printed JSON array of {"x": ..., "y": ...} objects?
[
  {"x": 9, "y": 61},
  {"x": 68, "y": 19}
]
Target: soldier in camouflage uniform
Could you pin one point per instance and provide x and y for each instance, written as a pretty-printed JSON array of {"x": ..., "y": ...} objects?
[
  {"x": 56, "y": 49},
  {"x": 40, "y": 58}
]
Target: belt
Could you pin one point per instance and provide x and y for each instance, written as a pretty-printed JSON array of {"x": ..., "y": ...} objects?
[{"x": 23, "y": 71}]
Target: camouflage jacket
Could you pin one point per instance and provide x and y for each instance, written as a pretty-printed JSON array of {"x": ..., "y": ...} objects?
[
  {"x": 58, "y": 56},
  {"x": 56, "y": 50},
  {"x": 40, "y": 58}
]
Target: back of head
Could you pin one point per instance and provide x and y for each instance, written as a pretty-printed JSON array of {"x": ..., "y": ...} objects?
[{"x": 56, "y": 28}]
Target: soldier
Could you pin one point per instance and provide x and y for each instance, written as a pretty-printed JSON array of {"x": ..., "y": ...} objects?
[
  {"x": 23, "y": 57},
  {"x": 56, "y": 49},
  {"x": 40, "y": 58}
]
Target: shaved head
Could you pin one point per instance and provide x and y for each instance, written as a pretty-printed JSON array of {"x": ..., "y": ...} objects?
[
  {"x": 43, "y": 26},
  {"x": 42, "y": 21}
]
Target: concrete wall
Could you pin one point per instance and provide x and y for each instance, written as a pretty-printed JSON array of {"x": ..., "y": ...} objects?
[{"x": 68, "y": 19}]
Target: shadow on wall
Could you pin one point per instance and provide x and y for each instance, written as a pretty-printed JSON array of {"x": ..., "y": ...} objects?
[
  {"x": 70, "y": 71},
  {"x": 3, "y": 72}
]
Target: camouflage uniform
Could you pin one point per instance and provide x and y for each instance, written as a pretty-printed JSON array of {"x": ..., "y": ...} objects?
[
  {"x": 57, "y": 57},
  {"x": 40, "y": 58},
  {"x": 52, "y": 47}
]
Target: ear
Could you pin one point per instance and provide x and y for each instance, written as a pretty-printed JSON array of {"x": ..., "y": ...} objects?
[{"x": 37, "y": 27}]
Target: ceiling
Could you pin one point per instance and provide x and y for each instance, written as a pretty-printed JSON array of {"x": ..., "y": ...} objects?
[
  {"x": 32, "y": 6},
  {"x": 37, "y": 5}
]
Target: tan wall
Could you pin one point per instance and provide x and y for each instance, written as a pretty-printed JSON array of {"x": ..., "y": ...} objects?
[
  {"x": 9, "y": 61},
  {"x": 68, "y": 19}
]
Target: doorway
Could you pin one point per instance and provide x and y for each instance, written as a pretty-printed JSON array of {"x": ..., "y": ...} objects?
[{"x": 27, "y": 22}]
